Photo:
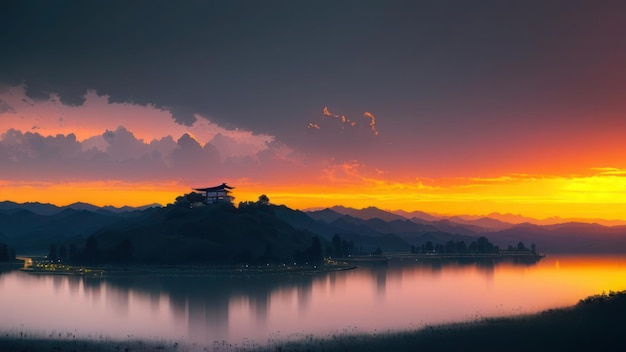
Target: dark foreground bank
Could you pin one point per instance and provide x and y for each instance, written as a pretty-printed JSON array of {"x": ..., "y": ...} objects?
[{"x": 595, "y": 323}]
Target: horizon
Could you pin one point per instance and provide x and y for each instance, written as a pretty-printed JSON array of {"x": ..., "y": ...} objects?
[
  {"x": 510, "y": 218},
  {"x": 448, "y": 107}
]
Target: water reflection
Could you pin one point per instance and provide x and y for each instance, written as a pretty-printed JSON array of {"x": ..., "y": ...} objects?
[{"x": 401, "y": 294}]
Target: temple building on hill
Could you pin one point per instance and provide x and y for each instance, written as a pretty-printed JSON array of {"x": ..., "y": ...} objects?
[{"x": 216, "y": 194}]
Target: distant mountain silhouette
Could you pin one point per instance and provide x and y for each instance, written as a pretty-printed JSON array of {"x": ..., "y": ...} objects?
[
  {"x": 485, "y": 223},
  {"x": 566, "y": 238},
  {"x": 8, "y": 207},
  {"x": 518, "y": 219},
  {"x": 367, "y": 213},
  {"x": 419, "y": 215},
  {"x": 326, "y": 215},
  {"x": 439, "y": 225},
  {"x": 171, "y": 233}
]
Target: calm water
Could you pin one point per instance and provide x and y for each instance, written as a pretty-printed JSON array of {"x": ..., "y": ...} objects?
[{"x": 402, "y": 295}]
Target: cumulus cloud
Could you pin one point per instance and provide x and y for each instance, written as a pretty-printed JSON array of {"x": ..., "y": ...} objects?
[
  {"x": 122, "y": 145},
  {"x": 98, "y": 113},
  {"x": 119, "y": 155}
]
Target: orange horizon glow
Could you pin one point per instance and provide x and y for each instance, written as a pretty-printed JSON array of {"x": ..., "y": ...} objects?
[
  {"x": 554, "y": 177},
  {"x": 600, "y": 194}
]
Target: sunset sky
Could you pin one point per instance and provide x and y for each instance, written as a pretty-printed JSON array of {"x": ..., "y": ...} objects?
[{"x": 452, "y": 107}]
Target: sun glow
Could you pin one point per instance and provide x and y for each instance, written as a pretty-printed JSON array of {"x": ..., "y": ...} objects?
[
  {"x": 98, "y": 193},
  {"x": 600, "y": 194}
]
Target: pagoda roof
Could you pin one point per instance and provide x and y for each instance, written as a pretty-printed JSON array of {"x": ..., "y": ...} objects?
[{"x": 222, "y": 187}]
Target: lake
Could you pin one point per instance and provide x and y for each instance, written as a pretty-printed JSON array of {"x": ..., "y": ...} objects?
[{"x": 401, "y": 295}]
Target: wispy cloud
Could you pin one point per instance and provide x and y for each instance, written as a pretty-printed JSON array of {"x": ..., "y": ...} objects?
[
  {"x": 372, "y": 123},
  {"x": 4, "y": 107},
  {"x": 345, "y": 121}
]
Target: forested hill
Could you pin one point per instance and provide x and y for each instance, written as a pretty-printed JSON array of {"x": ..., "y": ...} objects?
[{"x": 215, "y": 233}]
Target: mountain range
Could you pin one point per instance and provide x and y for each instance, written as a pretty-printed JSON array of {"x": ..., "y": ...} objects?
[{"x": 33, "y": 227}]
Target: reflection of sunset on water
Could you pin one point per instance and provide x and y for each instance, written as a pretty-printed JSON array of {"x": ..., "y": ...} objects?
[{"x": 401, "y": 295}]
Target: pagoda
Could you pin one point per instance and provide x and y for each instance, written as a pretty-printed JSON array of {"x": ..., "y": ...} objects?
[{"x": 216, "y": 194}]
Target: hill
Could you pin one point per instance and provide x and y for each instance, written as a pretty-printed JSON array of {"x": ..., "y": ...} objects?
[{"x": 215, "y": 234}]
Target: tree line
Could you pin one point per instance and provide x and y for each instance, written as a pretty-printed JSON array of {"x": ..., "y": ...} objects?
[
  {"x": 481, "y": 245},
  {"x": 91, "y": 253},
  {"x": 6, "y": 254}
]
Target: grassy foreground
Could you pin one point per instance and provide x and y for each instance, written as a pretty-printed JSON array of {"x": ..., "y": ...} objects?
[{"x": 595, "y": 323}]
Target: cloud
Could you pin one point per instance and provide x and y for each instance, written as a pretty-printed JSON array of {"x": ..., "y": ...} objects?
[
  {"x": 123, "y": 145},
  {"x": 342, "y": 118},
  {"x": 4, "y": 107},
  {"x": 99, "y": 113},
  {"x": 312, "y": 125},
  {"x": 119, "y": 155},
  {"x": 610, "y": 171},
  {"x": 345, "y": 121},
  {"x": 372, "y": 122}
]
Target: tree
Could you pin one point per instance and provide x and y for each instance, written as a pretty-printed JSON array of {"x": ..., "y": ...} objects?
[
  {"x": 52, "y": 253},
  {"x": 315, "y": 252},
  {"x": 4, "y": 253},
  {"x": 188, "y": 199},
  {"x": 337, "y": 246},
  {"x": 521, "y": 247},
  {"x": 533, "y": 248},
  {"x": 62, "y": 253},
  {"x": 483, "y": 245},
  {"x": 378, "y": 251},
  {"x": 263, "y": 200},
  {"x": 91, "y": 252},
  {"x": 123, "y": 251},
  {"x": 73, "y": 252},
  {"x": 429, "y": 248},
  {"x": 450, "y": 247},
  {"x": 329, "y": 252},
  {"x": 461, "y": 247},
  {"x": 268, "y": 255}
]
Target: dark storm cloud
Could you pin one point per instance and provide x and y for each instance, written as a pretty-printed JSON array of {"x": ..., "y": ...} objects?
[{"x": 268, "y": 66}]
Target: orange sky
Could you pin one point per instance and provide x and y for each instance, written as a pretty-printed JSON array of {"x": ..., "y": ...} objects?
[
  {"x": 594, "y": 196},
  {"x": 510, "y": 107},
  {"x": 42, "y": 164}
]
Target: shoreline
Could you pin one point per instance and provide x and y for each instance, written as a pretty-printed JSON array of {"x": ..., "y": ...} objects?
[
  {"x": 201, "y": 270},
  {"x": 184, "y": 270}
]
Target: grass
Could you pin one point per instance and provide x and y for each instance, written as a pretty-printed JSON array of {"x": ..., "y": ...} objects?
[
  {"x": 24, "y": 342},
  {"x": 595, "y": 323}
]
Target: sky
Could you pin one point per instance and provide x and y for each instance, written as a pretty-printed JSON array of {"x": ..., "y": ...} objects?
[{"x": 449, "y": 107}]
